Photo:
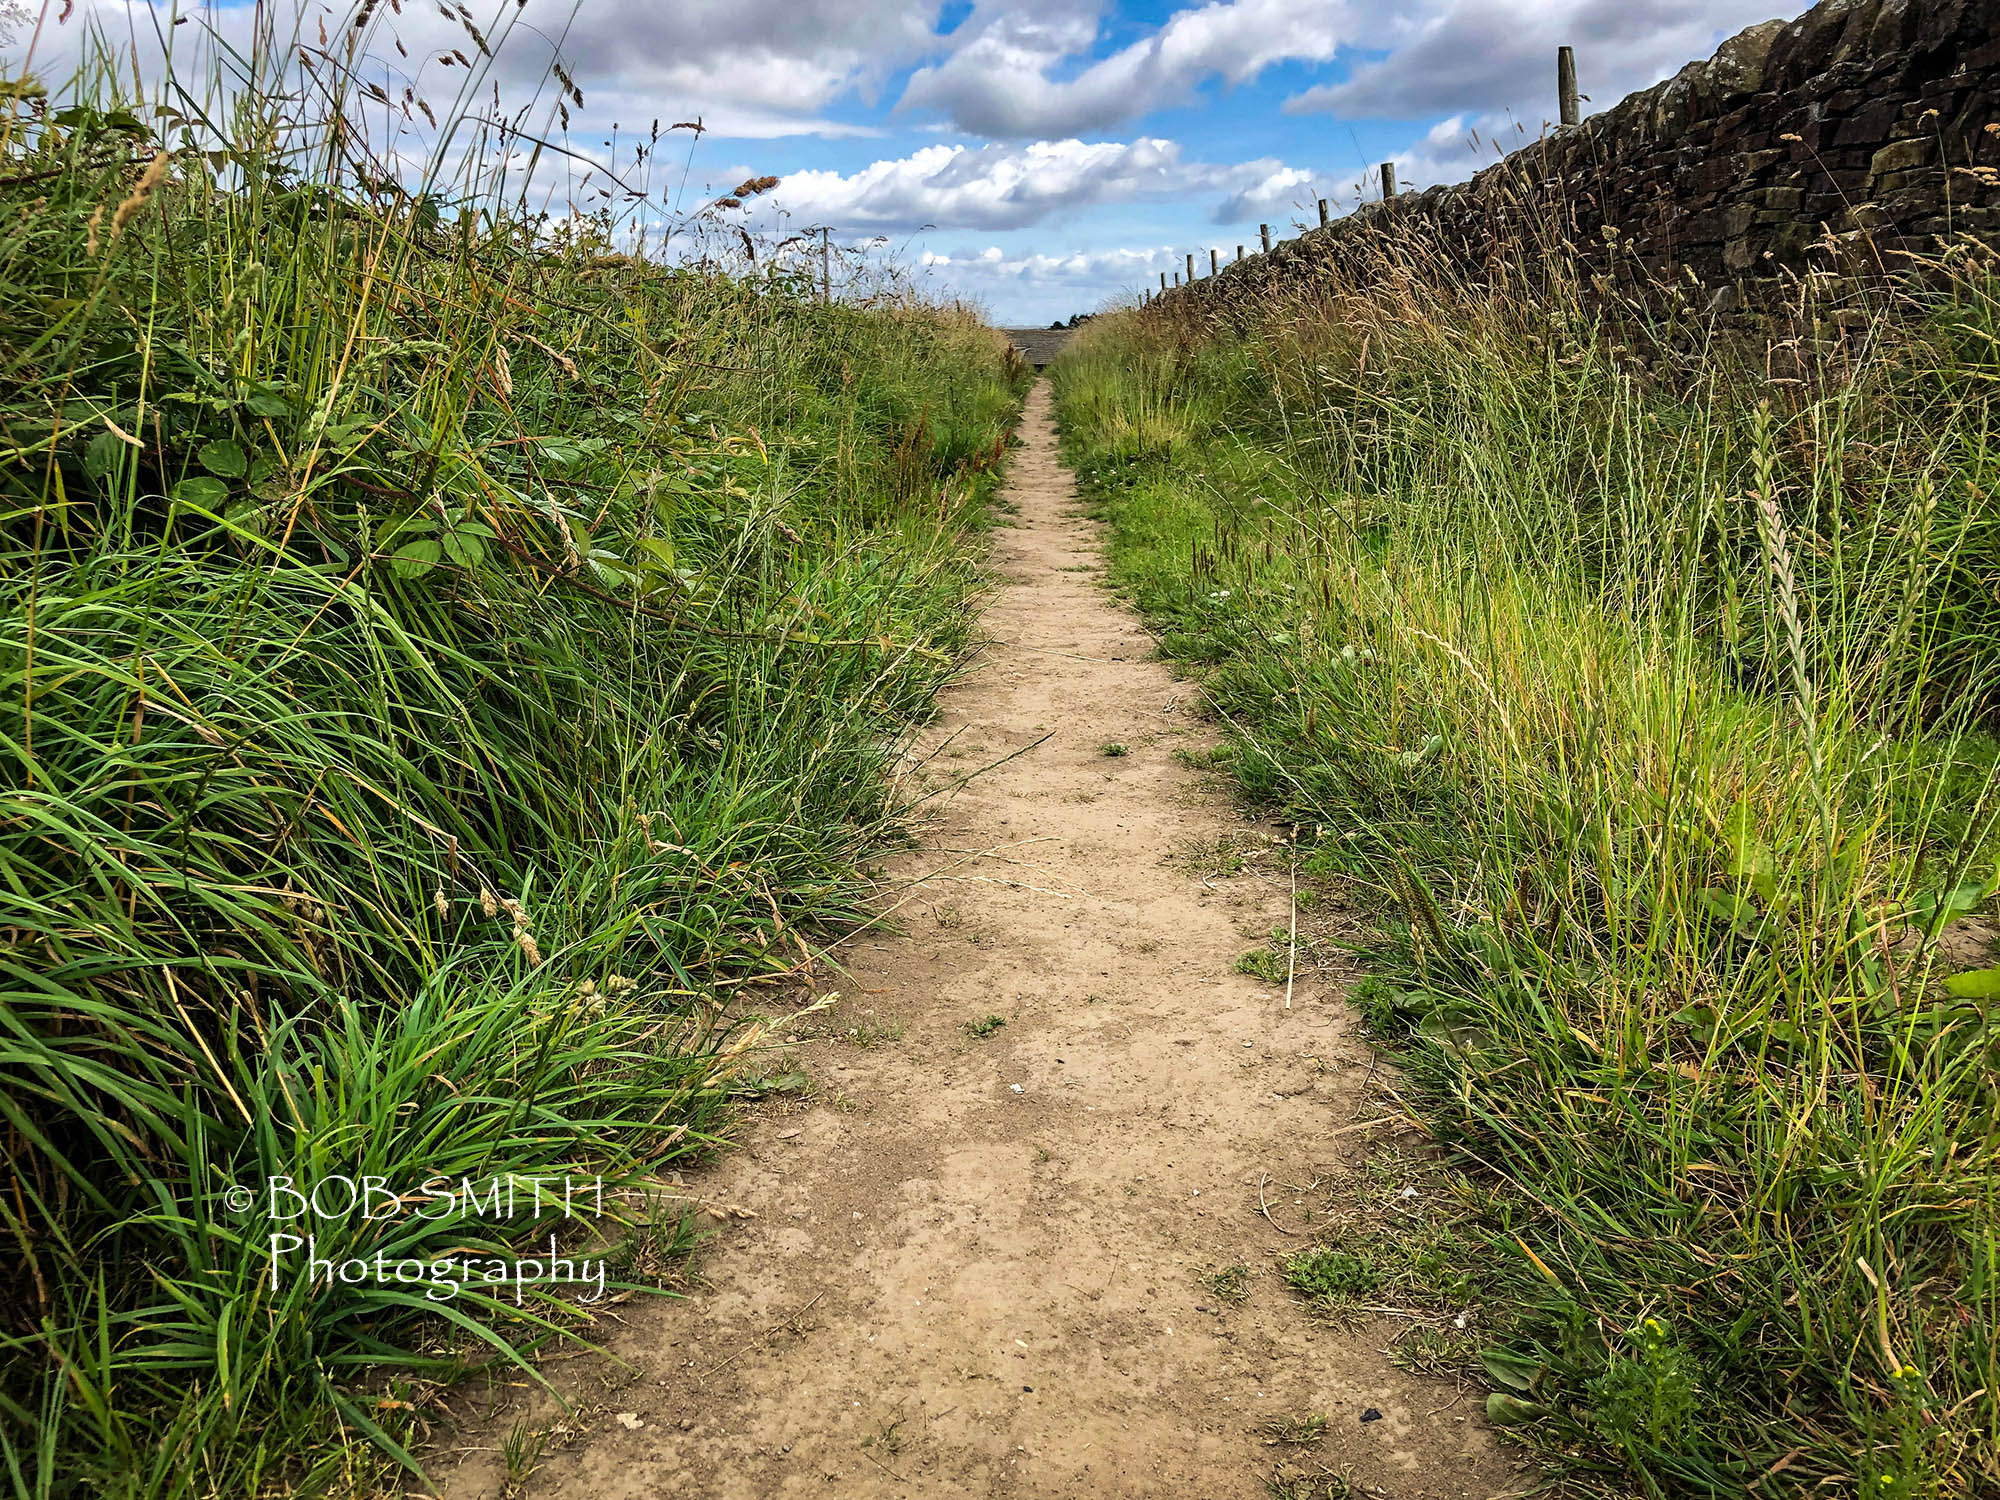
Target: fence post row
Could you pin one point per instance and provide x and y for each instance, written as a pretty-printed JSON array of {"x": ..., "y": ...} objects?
[{"x": 1569, "y": 105}]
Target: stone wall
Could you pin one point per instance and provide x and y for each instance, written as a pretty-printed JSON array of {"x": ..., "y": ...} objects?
[{"x": 1861, "y": 130}]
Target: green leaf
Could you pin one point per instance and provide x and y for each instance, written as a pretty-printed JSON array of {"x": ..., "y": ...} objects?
[
  {"x": 658, "y": 549},
  {"x": 1503, "y": 1410},
  {"x": 1431, "y": 746},
  {"x": 104, "y": 455},
  {"x": 224, "y": 458},
  {"x": 197, "y": 490},
  {"x": 1750, "y": 858},
  {"x": 1700, "y": 1018},
  {"x": 414, "y": 559},
  {"x": 268, "y": 398},
  {"x": 463, "y": 548},
  {"x": 613, "y": 575},
  {"x": 1511, "y": 1371},
  {"x": 1975, "y": 984},
  {"x": 1739, "y": 913},
  {"x": 772, "y": 1083},
  {"x": 1933, "y": 911},
  {"x": 243, "y": 510}
]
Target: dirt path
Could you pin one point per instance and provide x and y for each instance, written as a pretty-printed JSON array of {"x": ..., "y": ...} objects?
[{"x": 974, "y": 1267}]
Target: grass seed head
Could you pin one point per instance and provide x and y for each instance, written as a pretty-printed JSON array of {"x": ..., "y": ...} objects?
[{"x": 141, "y": 194}]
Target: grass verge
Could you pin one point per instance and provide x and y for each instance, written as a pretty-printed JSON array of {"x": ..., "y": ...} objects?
[
  {"x": 447, "y": 660},
  {"x": 1651, "y": 698}
]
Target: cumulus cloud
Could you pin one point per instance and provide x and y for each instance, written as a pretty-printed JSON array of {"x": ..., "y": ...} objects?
[
  {"x": 992, "y": 264},
  {"x": 1496, "y": 58},
  {"x": 748, "y": 67},
  {"x": 1456, "y": 147},
  {"x": 1012, "y": 186},
  {"x": 752, "y": 69},
  {"x": 1002, "y": 79}
]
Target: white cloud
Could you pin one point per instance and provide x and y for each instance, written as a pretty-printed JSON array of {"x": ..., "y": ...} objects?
[
  {"x": 1497, "y": 57},
  {"x": 753, "y": 69},
  {"x": 997, "y": 82},
  {"x": 1012, "y": 186},
  {"x": 1032, "y": 289},
  {"x": 1454, "y": 148}
]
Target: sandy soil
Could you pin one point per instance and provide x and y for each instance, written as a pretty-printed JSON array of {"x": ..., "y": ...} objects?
[{"x": 974, "y": 1267}]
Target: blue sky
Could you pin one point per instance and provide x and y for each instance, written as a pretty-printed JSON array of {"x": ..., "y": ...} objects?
[
  {"x": 1066, "y": 151},
  {"x": 1038, "y": 156}
]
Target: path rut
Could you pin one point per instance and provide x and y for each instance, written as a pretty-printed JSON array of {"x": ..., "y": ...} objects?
[{"x": 974, "y": 1265}]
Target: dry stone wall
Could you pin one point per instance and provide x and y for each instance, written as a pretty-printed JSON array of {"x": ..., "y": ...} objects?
[{"x": 1862, "y": 130}]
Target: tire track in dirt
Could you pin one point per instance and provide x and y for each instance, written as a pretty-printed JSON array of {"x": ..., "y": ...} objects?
[{"x": 974, "y": 1267}]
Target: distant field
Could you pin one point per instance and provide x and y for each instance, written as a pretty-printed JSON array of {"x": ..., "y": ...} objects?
[{"x": 1038, "y": 346}]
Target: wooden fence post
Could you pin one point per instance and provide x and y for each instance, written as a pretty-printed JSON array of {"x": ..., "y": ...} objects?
[
  {"x": 1264, "y": 232},
  {"x": 1163, "y": 281},
  {"x": 1566, "y": 95},
  {"x": 1322, "y": 213},
  {"x": 1211, "y": 262},
  {"x": 1190, "y": 266},
  {"x": 1388, "y": 179},
  {"x": 825, "y": 266},
  {"x": 1239, "y": 252}
]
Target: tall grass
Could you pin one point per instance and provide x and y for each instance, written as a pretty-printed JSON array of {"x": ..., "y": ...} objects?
[
  {"x": 448, "y": 659},
  {"x": 1649, "y": 678}
]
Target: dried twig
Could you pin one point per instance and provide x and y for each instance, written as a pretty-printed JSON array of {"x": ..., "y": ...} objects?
[
  {"x": 1265, "y": 1208},
  {"x": 782, "y": 1323}
]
